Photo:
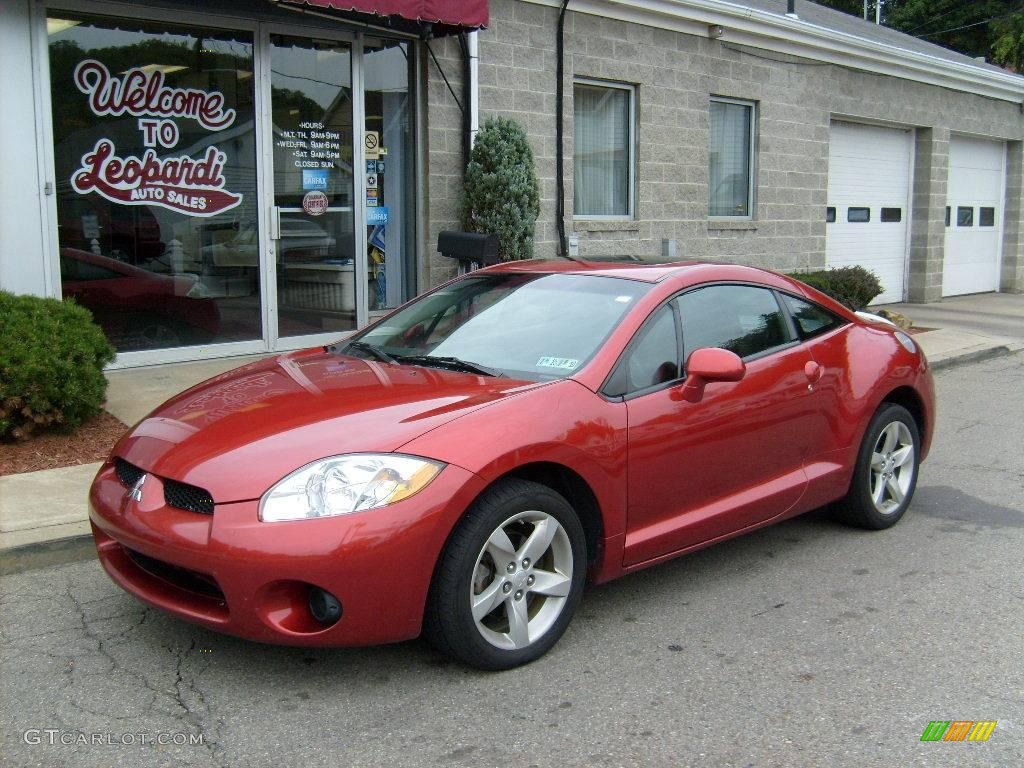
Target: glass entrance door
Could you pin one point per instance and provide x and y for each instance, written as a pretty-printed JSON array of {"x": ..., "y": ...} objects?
[
  {"x": 312, "y": 216},
  {"x": 389, "y": 173}
]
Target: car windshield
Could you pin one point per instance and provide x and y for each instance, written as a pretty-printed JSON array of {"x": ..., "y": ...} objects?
[{"x": 528, "y": 326}]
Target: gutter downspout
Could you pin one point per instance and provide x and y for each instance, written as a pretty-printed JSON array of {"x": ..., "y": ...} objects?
[
  {"x": 563, "y": 249},
  {"x": 474, "y": 86}
]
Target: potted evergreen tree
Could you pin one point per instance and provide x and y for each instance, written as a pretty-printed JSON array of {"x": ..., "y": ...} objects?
[{"x": 502, "y": 195}]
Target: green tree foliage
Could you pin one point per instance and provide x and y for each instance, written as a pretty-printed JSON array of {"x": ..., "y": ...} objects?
[
  {"x": 502, "y": 195},
  {"x": 990, "y": 28},
  {"x": 853, "y": 287},
  {"x": 51, "y": 365}
]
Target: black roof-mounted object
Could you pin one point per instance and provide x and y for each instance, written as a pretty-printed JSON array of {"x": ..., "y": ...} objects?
[{"x": 472, "y": 250}]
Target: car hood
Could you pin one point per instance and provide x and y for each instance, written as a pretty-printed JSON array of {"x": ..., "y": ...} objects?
[{"x": 238, "y": 433}]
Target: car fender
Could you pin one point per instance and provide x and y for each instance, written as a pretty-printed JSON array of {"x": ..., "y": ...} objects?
[{"x": 563, "y": 424}]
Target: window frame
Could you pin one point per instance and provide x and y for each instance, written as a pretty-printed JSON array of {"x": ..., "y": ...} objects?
[
  {"x": 630, "y": 89},
  {"x": 751, "y": 158}
]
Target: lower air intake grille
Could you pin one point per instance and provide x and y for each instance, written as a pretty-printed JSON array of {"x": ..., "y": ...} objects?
[
  {"x": 188, "y": 497},
  {"x": 127, "y": 473}
]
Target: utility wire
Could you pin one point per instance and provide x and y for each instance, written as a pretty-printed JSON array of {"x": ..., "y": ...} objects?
[
  {"x": 933, "y": 19},
  {"x": 975, "y": 24}
]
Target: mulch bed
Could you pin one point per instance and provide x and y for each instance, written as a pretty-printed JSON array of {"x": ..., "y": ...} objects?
[{"x": 48, "y": 450}]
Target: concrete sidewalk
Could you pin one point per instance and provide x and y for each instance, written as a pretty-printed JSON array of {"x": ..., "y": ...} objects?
[{"x": 38, "y": 509}]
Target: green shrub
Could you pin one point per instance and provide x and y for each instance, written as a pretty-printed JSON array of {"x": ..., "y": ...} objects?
[
  {"x": 502, "y": 195},
  {"x": 51, "y": 365},
  {"x": 854, "y": 287}
]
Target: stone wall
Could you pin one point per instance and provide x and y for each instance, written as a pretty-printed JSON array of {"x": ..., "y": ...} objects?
[{"x": 675, "y": 74}]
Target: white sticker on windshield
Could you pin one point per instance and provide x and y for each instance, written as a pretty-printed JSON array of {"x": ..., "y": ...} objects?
[
  {"x": 623, "y": 299},
  {"x": 566, "y": 363}
]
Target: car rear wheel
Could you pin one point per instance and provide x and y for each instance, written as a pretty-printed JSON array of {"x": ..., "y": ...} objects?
[
  {"x": 886, "y": 474},
  {"x": 509, "y": 579}
]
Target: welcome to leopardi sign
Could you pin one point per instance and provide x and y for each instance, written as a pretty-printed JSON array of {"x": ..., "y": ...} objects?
[{"x": 194, "y": 186}]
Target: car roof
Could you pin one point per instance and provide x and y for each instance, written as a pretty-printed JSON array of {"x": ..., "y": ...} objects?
[{"x": 689, "y": 272}]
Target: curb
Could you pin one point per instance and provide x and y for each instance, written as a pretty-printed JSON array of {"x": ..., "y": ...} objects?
[
  {"x": 46, "y": 554},
  {"x": 974, "y": 357}
]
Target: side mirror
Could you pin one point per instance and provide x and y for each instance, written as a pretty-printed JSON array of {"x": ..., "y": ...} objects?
[{"x": 710, "y": 364}]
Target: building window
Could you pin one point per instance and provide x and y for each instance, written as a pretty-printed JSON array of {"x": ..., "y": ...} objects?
[
  {"x": 858, "y": 215},
  {"x": 604, "y": 156},
  {"x": 830, "y": 214},
  {"x": 155, "y": 160},
  {"x": 731, "y": 173},
  {"x": 986, "y": 217},
  {"x": 964, "y": 216}
]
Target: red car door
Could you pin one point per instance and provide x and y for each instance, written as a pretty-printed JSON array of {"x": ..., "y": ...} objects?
[{"x": 700, "y": 471}]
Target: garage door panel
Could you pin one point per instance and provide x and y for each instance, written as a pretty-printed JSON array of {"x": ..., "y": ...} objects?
[
  {"x": 869, "y": 167},
  {"x": 971, "y": 260}
]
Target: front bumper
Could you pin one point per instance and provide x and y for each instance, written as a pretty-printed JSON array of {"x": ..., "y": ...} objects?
[{"x": 232, "y": 573}]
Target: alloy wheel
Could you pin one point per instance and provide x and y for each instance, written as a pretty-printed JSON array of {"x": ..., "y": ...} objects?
[
  {"x": 892, "y": 467},
  {"x": 521, "y": 580}
]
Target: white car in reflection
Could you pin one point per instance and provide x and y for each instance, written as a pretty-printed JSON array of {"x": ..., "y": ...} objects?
[{"x": 302, "y": 240}]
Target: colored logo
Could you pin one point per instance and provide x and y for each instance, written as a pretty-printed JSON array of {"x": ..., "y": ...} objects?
[
  {"x": 958, "y": 730},
  {"x": 377, "y": 215},
  {"x": 315, "y": 203},
  {"x": 313, "y": 178}
]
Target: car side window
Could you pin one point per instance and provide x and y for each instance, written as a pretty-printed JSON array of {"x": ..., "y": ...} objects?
[
  {"x": 811, "y": 320},
  {"x": 652, "y": 357},
  {"x": 741, "y": 318}
]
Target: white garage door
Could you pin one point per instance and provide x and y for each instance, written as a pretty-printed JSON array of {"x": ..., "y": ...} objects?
[
  {"x": 974, "y": 216},
  {"x": 868, "y": 198}
]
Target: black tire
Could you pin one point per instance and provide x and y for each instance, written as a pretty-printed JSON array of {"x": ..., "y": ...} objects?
[
  {"x": 858, "y": 507},
  {"x": 448, "y": 622}
]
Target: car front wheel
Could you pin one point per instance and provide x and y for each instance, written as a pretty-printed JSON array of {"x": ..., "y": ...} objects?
[
  {"x": 886, "y": 474},
  {"x": 509, "y": 579}
]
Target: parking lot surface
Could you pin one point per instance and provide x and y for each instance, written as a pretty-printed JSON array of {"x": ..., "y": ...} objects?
[{"x": 804, "y": 644}]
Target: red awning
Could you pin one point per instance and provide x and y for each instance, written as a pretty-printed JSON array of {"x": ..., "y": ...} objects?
[{"x": 468, "y": 14}]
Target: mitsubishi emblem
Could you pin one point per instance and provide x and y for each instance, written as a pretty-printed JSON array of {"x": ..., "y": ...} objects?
[{"x": 135, "y": 494}]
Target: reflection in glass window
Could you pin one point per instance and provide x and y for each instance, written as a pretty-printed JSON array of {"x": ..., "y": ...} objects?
[
  {"x": 964, "y": 216},
  {"x": 731, "y": 158},
  {"x": 811, "y": 320},
  {"x": 858, "y": 215},
  {"x": 154, "y": 150},
  {"x": 740, "y": 318},
  {"x": 529, "y": 326},
  {"x": 653, "y": 357}
]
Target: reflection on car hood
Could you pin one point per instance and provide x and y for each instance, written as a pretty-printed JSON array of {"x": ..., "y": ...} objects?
[{"x": 240, "y": 432}]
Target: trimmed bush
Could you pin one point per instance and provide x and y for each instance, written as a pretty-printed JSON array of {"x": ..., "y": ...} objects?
[
  {"x": 51, "y": 365},
  {"x": 502, "y": 195},
  {"x": 853, "y": 287}
]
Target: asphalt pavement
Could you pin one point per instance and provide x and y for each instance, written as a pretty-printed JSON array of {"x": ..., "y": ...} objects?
[{"x": 805, "y": 644}]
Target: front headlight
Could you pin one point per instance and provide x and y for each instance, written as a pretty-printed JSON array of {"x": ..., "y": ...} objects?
[{"x": 340, "y": 485}]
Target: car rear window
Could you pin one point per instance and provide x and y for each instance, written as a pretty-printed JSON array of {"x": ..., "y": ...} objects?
[{"x": 810, "y": 318}]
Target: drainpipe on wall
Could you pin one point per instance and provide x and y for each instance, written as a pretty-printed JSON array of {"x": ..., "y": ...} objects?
[
  {"x": 473, "y": 43},
  {"x": 563, "y": 249}
]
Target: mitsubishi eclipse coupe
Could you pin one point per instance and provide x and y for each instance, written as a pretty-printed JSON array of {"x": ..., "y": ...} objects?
[{"x": 463, "y": 466}]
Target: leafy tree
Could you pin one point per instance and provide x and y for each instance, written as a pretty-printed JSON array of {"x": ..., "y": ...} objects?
[
  {"x": 502, "y": 195},
  {"x": 990, "y": 28}
]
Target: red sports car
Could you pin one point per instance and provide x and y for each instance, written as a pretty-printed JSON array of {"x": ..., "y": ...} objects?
[{"x": 462, "y": 466}]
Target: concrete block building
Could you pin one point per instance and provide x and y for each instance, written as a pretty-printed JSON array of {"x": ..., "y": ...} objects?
[{"x": 219, "y": 178}]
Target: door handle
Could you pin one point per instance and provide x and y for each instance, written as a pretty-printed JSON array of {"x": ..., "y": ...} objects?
[{"x": 812, "y": 371}]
